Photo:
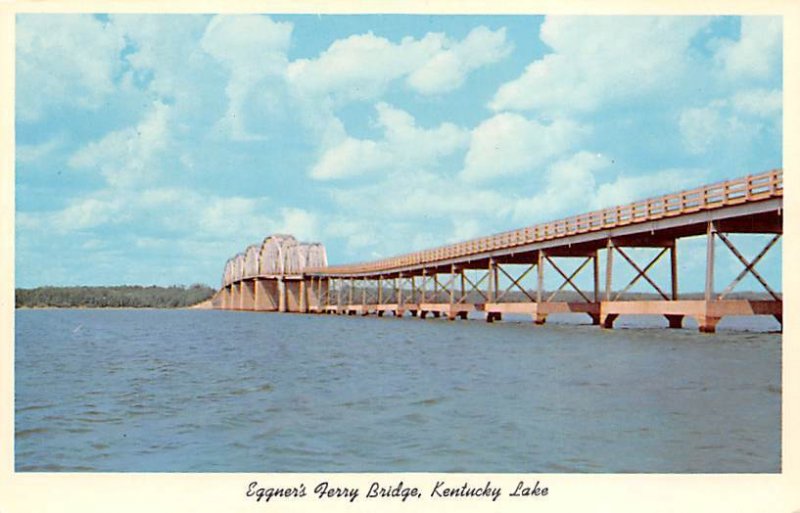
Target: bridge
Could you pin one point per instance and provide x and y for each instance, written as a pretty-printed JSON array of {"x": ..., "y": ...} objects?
[{"x": 486, "y": 276}]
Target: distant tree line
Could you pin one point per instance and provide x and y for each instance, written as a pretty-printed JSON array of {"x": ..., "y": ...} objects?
[{"x": 125, "y": 296}]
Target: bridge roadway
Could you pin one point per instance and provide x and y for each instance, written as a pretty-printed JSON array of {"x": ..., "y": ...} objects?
[{"x": 437, "y": 281}]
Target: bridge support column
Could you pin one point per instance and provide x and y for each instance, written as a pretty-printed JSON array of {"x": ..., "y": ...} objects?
[
  {"x": 398, "y": 284},
  {"x": 239, "y": 303},
  {"x": 451, "y": 316},
  {"x": 233, "y": 297},
  {"x": 225, "y": 297},
  {"x": 236, "y": 296},
  {"x": 675, "y": 321},
  {"x": 248, "y": 295},
  {"x": 707, "y": 323},
  {"x": 293, "y": 292},
  {"x": 539, "y": 318},
  {"x": 325, "y": 287},
  {"x": 709, "y": 262},
  {"x": 282, "y": 306},
  {"x": 492, "y": 290},
  {"x": 338, "y": 295},
  {"x": 350, "y": 297},
  {"x": 266, "y": 295},
  {"x": 609, "y": 268},
  {"x": 414, "y": 298},
  {"x": 607, "y": 320},
  {"x": 311, "y": 293},
  {"x": 303, "y": 296}
]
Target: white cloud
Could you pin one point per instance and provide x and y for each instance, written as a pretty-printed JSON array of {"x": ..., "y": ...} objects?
[
  {"x": 166, "y": 54},
  {"x": 352, "y": 157},
  {"x": 569, "y": 182},
  {"x": 429, "y": 196},
  {"x": 759, "y": 102},
  {"x": 509, "y": 144},
  {"x": 700, "y": 128},
  {"x": 465, "y": 229},
  {"x": 627, "y": 189},
  {"x": 64, "y": 59},
  {"x": 254, "y": 49},
  {"x": 358, "y": 233},
  {"x": 301, "y": 223},
  {"x": 757, "y": 52},
  {"x": 80, "y": 214},
  {"x": 250, "y": 44},
  {"x": 596, "y": 60},
  {"x": 361, "y": 67},
  {"x": 32, "y": 153},
  {"x": 447, "y": 70},
  {"x": 88, "y": 213},
  {"x": 586, "y": 181},
  {"x": 129, "y": 156},
  {"x": 404, "y": 148},
  {"x": 735, "y": 124}
]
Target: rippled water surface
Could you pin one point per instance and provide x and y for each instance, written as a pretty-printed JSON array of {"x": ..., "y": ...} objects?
[{"x": 161, "y": 390}]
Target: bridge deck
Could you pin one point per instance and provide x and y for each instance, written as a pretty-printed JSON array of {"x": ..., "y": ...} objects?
[{"x": 752, "y": 204}]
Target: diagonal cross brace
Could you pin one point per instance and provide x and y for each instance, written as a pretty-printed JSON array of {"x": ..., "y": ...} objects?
[
  {"x": 416, "y": 289},
  {"x": 370, "y": 291},
  {"x": 516, "y": 283},
  {"x": 568, "y": 279},
  {"x": 474, "y": 286},
  {"x": 406, "y": 280},
  {"x": 749, "y": 267},
  {"x": 446, "y": 286},
  {"x": 642, "y": 273}
]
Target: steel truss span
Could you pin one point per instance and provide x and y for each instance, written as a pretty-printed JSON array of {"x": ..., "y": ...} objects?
[{"x": 486, "y": 274}]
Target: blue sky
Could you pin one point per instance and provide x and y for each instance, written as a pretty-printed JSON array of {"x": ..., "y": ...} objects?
[{"x": 150, "y": 148}]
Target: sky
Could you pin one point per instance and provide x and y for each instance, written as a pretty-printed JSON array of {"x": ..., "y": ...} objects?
[{"x": 151, "y": 148}]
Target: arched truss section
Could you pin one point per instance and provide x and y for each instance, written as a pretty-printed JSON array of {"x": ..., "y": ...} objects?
[
  {"x": 317, "y": 257},
  {"x": 273, "y": 253},
  {"x": 296, "y": 258},
  {"x": 276, "y": 255},
  {"x": 238, "y": 267},
  {"x": 301, "y": 256},
  {"x": 251, "y": 261},
  {"x": 227, "y": 275}
]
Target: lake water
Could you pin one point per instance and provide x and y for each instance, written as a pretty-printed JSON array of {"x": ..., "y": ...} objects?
[{"x": 187, "y": 391}]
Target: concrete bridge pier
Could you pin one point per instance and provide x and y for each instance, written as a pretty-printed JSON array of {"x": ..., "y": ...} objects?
[
  {"x": 282, "y": 306},
  {"x": 707, "y": 323},
  {"x": 294, "y": 296},
  {"x": 314, "y": 293},
  {"x": 675, "y": 321},
  {"x": 303, "y": 303},
  {"x": 228, "y": 297},
  {"x": 236, "y": 296},
  {"x": 266, "y": 295},
  {"x": 607, "y": 320},
  {"x": 493, "y": 316},
  {"x": 247, "y": 295},
  {"x": 224, "y": 297}
]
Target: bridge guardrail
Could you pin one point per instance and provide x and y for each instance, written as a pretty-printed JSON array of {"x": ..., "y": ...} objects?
[{"x": 731, "y": 192}]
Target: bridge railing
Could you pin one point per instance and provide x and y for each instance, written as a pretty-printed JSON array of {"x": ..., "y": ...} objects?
[{"x": 731, "y": 192}]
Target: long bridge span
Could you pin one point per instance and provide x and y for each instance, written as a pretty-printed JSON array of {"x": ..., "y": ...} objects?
[{"x": 487, "y": 274}]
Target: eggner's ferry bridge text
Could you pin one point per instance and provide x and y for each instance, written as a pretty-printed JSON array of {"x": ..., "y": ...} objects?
[{"x": 486, "y": 274}]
